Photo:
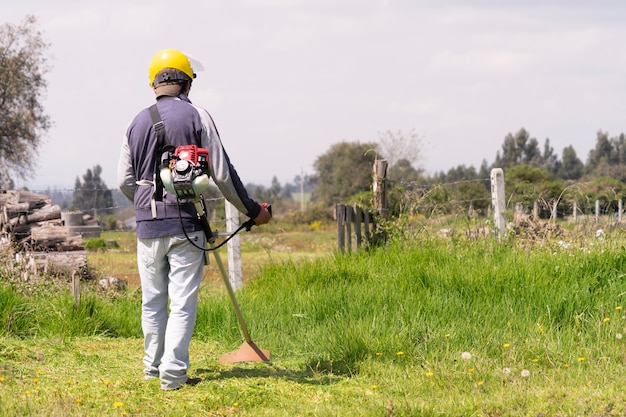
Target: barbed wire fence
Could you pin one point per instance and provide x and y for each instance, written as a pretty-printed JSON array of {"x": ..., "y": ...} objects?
[{"x": 470, "y": 199}]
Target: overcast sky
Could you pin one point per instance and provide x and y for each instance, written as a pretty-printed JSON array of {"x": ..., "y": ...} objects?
[{"x": 286, "y": 79}]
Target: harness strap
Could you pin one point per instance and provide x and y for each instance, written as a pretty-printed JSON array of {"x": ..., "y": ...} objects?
[{"x": 162, "y": 142}]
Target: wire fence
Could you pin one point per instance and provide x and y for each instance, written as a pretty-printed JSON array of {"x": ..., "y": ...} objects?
[{"x": 574, "y": 202}]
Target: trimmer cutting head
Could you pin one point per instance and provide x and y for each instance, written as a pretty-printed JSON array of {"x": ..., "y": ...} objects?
[{"x": 247, "y": 352}]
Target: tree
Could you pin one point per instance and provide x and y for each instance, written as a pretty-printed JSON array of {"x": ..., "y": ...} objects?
[
  {"x": 395, "y": 146},
  {"x": 527, "y": 184},
  {"x": 343, "y": 171},
  {"x": 518, "y": 149},
  {"x": 549, "y": 160},
  {"x": 571, "y": 167},
  {"x": 23, "y": 121},
  {"x": 92, "y": 193},
  {"x": 403, "y": 171},
  {"x": 608, "y": 158}
]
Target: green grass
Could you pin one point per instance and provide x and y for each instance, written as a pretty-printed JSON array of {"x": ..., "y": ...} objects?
[{"x": 375, "y": 333}]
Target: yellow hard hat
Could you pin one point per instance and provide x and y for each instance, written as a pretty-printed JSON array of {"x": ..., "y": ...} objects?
[{"x": 170, "y": 58}]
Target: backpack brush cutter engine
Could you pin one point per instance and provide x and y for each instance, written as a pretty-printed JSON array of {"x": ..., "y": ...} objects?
[{"x": 184, "y": 172}]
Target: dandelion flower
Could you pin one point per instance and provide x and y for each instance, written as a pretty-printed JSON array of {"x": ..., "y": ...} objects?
[
  {"x": 535, "y": 360},
  {"x": 470, "y": 370},
  {"x": 374, "y": 386},
  {"x": 235, "y": 404},
  {"x": 78, "y": 400},
  {"x": 506, "y": 345},
  {"x": 1, "y": 379},
  {"x": 466, "y": 356},
  {"x": 525, "y": 373},
  {"x": 447, "y": 335},
  {"x": 581, "y": 359},
  {"x": 429, "y": 374},
  {"x": 35, "y": 380},
  {"x": 379, "y": 353},
  {"x": 400, "y": 353},
  {"x": 618, "y": 307},
  {"x": 566, "y": 365},
  {"x": 606, "y": 320},
  {"x": 480, "y": 383},
  {"x": 118, "y": 404},
  {"x": 506, "y": 371}
]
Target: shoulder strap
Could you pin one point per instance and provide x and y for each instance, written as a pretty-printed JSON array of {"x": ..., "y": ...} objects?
[{"x": 162, "y": 142}]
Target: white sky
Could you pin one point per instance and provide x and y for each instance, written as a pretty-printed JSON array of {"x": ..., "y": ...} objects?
[{"x": 286, "y": 79}]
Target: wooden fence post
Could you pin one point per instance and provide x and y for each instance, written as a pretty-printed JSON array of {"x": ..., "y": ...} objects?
[
  {"x": 379, "y": 187},
  {"x": 498, "y": 200},
  {"x": 358, "y": 216},
  {"x": 340, "y": 213},
  {"x": 349, "y": 219},
  {"x": 75, "y": 287},
  {"x": 367, "y": 227}
]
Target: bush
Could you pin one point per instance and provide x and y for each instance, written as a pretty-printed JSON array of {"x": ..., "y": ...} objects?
[{"x": 95, "y": 243}]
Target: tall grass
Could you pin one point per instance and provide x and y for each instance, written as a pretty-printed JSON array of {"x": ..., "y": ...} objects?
[
  {"x": 413, "y": 298},
  {"x": 420, "y": 297}
]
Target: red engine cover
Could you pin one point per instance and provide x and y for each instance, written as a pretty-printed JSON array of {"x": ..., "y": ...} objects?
[{"x": 192, "y": 154}]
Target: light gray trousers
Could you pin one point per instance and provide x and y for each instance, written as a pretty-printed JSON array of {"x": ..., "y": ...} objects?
[{"x": 170, "y": 269}]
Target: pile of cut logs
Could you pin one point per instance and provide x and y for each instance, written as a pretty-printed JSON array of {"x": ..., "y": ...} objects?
[{"x": 35, "y": 230}]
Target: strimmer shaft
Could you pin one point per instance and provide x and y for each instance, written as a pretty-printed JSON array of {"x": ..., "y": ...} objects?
[{"x": 231, "y": 293}]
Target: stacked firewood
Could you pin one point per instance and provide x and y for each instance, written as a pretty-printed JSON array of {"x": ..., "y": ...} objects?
[
  {"x": 33, "y": 227},
  {"x": 31, "y": 222}
]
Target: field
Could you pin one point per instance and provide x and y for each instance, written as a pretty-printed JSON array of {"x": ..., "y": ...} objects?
[{"x": 427, "y": 327}]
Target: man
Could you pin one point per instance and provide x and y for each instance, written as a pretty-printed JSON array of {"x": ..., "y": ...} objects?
[{"x": 170, "y": 263}]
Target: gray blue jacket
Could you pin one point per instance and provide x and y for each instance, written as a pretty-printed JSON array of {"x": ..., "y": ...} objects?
[{"x": 185, "y": 124}]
